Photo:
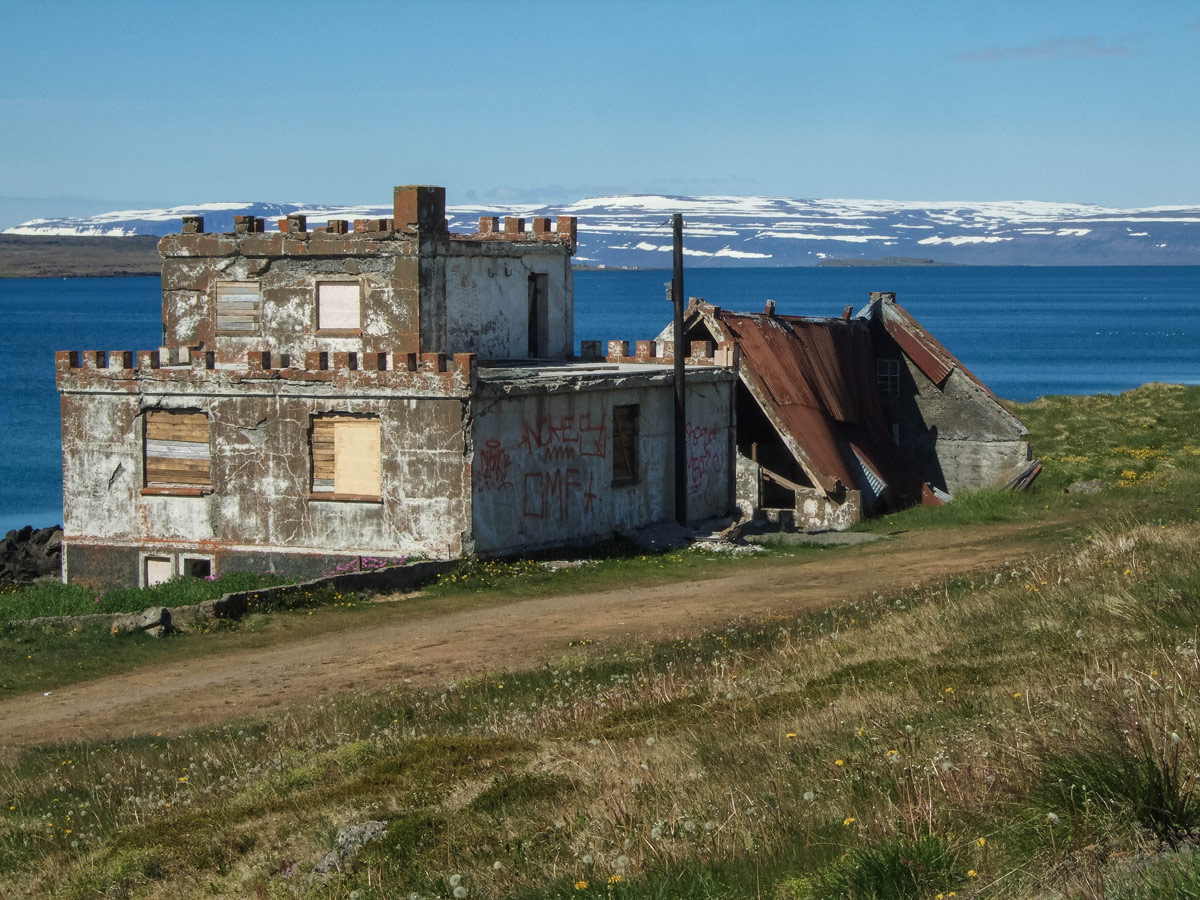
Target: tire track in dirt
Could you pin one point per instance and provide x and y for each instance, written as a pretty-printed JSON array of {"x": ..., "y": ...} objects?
[{"x": 440, "y": 648}]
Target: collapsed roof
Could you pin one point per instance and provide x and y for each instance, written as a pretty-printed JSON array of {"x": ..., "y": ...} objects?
[{"x": 814, "y": 379}]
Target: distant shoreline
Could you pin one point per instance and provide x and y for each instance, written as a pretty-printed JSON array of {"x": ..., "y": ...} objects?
[
  {"x": 53, "y": 256},
  {"x": 72, "y": 256}
]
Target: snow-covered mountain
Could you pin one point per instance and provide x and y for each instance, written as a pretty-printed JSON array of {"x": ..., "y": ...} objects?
[{"x": 634, "y": 230}]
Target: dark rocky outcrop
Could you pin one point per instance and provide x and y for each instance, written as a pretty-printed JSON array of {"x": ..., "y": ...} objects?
[{"x": 30, "y": 553}]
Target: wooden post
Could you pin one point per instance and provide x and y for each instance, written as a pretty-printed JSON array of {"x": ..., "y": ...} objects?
[{"x": 681, "y": 505}]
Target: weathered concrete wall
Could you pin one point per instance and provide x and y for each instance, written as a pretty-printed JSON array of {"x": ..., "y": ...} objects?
[
  {"x": 748, "y": 475},
  {"x": 430, "y": 292},
  {"x": 259, "y": 504},
  {"x": 287, "y": 269},
  {"x": 814, "y": 509},
  {"x": 970, "y": 465},
  {"x": 817, "y": 511},
  {"x": 487, "y": 307},
  {"x": 542, "y": 472},
  {"x": 959, "y": 435}
]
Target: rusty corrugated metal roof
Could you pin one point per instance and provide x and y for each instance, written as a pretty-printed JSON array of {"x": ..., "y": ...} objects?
[
  {"x": 926, "y": 351},
  {"x": 815, "y": 379}
]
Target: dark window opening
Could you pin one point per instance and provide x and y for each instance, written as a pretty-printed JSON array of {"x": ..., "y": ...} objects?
[
  {"x": 625, "y": 445},
  {"x": 537, "y": 315},
  {"x": 887, "y": 377},
  {"x": 197, "y": 568},
  {"x": 758, "y": 440}
]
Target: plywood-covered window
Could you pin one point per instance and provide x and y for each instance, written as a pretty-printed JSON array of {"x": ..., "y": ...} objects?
[
  {"x": 339, "y": 306},
  {"x": 238, "y": 308},
  {"x": 625, "y": 445},
  {"x": 157, "y": 570},
  {"x": 346, "y": 457},
  {"x": 177, "y": 449}
]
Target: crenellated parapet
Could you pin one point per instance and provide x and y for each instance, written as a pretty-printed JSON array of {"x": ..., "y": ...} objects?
[
  {"x": 422, "y": 374},
  {"x": 700, "y": 353},
  {"x": 565, "y": 230},
  {"x": 417, "y": 210}
]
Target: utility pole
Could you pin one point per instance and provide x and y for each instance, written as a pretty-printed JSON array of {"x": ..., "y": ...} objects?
[{"x": 681, "y": 515}]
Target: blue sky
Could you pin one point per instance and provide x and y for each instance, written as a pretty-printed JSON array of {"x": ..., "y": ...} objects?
[{"x": 104, "y": 106}]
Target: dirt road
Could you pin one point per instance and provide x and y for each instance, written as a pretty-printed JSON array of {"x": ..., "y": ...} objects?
[{"x": 443, "y": 647}]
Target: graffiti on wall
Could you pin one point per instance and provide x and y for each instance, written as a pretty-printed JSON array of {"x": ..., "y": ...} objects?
[
  {"x": 549, "y": 462},
  {"x": 557, "y": 438},
  {"x": 551, "y": 468},
  {"x": 706, "y": 456},
  {"x": 548, "y": 494},
  {"x": 492, "y": 472}
]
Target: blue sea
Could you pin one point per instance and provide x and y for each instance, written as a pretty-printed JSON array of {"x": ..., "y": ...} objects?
[{"x": 1026, "y": 332}]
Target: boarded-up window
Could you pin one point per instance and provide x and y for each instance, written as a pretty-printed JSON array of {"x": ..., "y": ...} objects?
[
  {"x": 345, "y": 456},
  {"x": 338, "y": 307},
  {"x": 625, "y": 445},
  {"x": 157, "y": 569},
  {"x": 238, "y": 308},
  {"x": 177, "y": 449}
]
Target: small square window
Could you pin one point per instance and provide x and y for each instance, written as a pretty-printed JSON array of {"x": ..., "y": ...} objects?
[
  {"x": 339, "y": 306},
  {"x": 157, "y": 570},
  {"x": 196, "y": 567},
  {"x": 887, "y": 377},
  {"x": 625, "y": 445}
]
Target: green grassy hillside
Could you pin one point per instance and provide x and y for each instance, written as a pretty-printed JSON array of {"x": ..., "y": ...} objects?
[{"x": 1024, "y": 732}]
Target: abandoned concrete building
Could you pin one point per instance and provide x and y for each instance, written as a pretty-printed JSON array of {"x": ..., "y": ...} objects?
[
  {"x": 377, "y": 390},
  {"x": 839, "y": 418}
]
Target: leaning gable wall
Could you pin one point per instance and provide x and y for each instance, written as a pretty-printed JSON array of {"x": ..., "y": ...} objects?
[{"x": 974, "y": 442}]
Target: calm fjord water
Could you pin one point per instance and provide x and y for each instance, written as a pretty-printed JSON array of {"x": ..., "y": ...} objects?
[{"x": 1025, "y": 331}]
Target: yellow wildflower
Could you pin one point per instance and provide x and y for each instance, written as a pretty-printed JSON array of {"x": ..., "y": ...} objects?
[
  {"x": 971, "y": 873},
  {"x": 581, "y": 885},
  {"x": 839, "y": 762},
  {"x": 982, "y": 842},
  {"x": 790, "y": 734},
  {"x": 849, "y": 820}
]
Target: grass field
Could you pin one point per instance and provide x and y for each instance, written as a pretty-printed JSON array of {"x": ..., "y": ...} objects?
[{"x": 1024, "y": 732}]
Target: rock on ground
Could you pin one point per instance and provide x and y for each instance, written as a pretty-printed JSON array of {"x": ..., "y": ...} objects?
[
  {"x": 1087, "y": 487},
  {"x": 350, "y": 840}
]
